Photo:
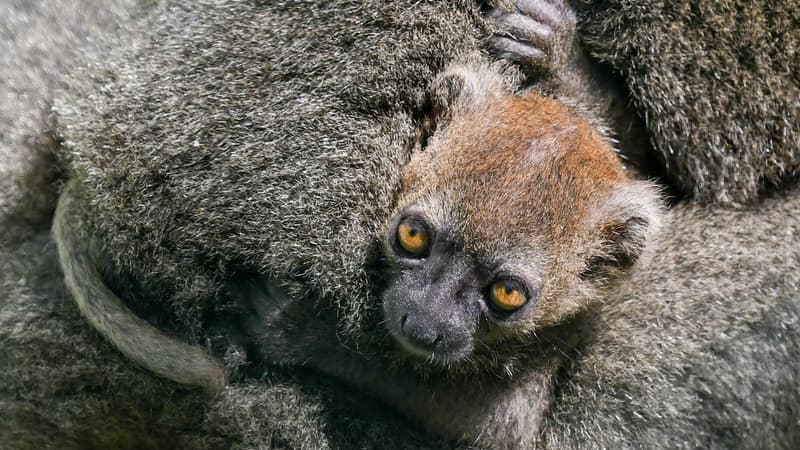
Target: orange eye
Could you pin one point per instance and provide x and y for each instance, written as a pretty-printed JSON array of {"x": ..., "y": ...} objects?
[
  {"x": 507, "y": 295},
  {"x": 413, "y": 237}
]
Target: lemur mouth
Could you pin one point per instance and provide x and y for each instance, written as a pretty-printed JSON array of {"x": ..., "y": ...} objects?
[{"x": 433, "y": 358}]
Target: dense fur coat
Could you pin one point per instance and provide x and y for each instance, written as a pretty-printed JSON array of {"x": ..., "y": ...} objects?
[
  {"x": 700, "y": 350},
  {"x": 718, "y": 84},
  {"x": 224, "y": 133}
]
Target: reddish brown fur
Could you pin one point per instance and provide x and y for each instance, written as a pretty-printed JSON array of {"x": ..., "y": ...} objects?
[
  {"x": 527, "y": 160},
  {"x": 526, "y": 172}
]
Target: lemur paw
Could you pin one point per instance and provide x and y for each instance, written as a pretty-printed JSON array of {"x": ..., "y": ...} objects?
[{"x": 539, "y": 35}]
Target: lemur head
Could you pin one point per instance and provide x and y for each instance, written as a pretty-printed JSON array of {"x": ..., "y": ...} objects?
[{"x": 515, "y": 216}]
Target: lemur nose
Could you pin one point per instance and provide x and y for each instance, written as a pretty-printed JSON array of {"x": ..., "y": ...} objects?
[{"x": 419, "y": 334}]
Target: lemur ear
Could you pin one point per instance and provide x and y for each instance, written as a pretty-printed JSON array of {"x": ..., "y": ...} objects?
[
  {"x": 623, "y": 231},
  {"x": 459, "y": 87}
]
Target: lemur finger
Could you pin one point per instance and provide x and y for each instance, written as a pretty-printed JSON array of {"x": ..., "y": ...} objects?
[
  {"x": 519, "y": 52},
  {"x": 522, "y": 28}
]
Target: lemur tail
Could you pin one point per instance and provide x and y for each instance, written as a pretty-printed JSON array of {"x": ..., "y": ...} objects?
[{"x": 131, "y": 335}]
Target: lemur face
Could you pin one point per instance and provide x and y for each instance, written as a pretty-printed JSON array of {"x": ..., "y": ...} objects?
[{"x": 505, "y": 224}]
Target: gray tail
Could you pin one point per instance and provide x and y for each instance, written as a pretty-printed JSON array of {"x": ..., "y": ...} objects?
[{"x": 134, "y": 337}]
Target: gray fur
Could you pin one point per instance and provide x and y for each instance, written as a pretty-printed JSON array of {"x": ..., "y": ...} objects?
[
  {"x": 174, "y": 199},
  {"x": 716, "y": 82},
  {"x": 711, "y": 363},
  {"x": 701, "y": 349},
  {"x": 39, "y": 42},
  {"x": 133, "y": 336}
]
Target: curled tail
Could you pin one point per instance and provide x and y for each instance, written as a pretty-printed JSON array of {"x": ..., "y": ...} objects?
[{"x": 130, "y": 334}]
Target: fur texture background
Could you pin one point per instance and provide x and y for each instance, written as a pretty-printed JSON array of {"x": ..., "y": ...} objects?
[
  {"x": 718, "y": 84},
  {"x": 213, "y": 102}
]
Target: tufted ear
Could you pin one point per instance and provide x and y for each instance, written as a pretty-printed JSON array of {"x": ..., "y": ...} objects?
[
  {"x": 623, "y": 229},
  {"x": 462, "y": 86}
]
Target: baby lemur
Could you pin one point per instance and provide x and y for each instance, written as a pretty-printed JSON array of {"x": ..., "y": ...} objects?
[{"x": 515, "y": 214}]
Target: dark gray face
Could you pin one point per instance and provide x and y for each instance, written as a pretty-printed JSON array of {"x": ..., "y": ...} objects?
[{"x": 441, "y": 300}]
